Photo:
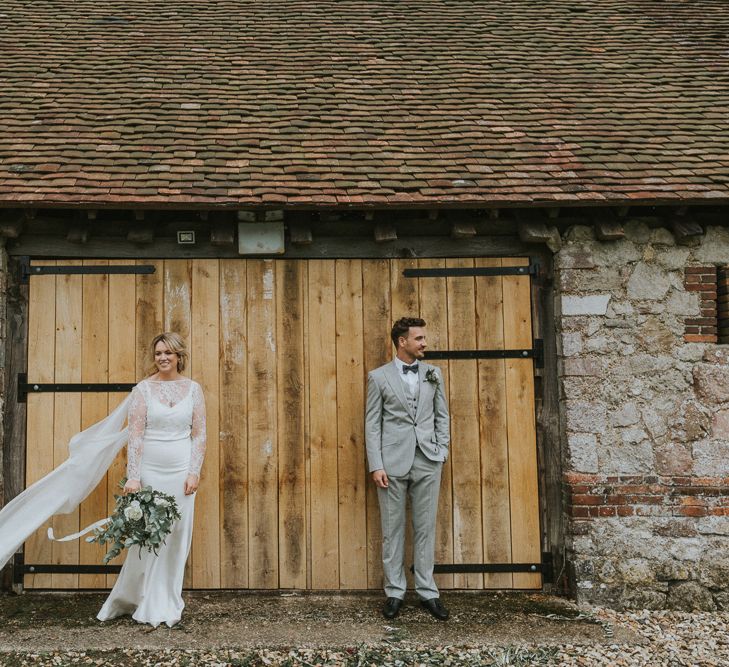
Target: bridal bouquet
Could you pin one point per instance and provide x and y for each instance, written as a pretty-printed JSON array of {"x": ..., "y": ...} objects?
[{"x": 144, "y": 517}]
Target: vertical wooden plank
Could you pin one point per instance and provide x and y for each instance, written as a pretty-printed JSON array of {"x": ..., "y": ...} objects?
[
  {"x": 351, "y": 469},
  {"x": 205, "y": 369},
  {"x": 177, "y": 279},
  {"x": 177, "y": 317},
  {"x": 378, "y": 350},
  {"x": 492, "y": 425},
  {"x": 67, "y": 422},
  {"x": 122, "y": 368},
  {"x": 307, "y": 396},
  {"x": 465, "y": 455},
  {"x": 149, "y": 311},
  {"x": 233, "y": 425},
  {"x": 292, "y": 524},
  {"x": 523, "y": 490},
  {"x": 41, "y": 368},
  {"x": 262, "y": 427},
  {"x": 434, "y": 310},
  {"x": 405, "y": 303},
  {"x": 405, "y": 295},
  {"x": 94, "y": 406},
  {"x": 323, "y": 425}
]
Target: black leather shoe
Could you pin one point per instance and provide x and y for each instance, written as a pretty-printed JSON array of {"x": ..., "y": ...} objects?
[
  {"x": 391, "y": 608},
  {"x": 435, "y": 609}
]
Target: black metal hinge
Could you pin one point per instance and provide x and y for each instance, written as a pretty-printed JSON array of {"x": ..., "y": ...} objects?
[
  {"x": 462, "y": 272},
  {"x": 27, "y": 271},
  {"x": 25, "y": 387},
  {"x": 21, "y": 568},
  {"x": 536, "y": 353},
  {"x": 544, "y": 568}
]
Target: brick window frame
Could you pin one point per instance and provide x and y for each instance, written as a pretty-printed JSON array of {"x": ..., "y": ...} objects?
[{"x": 708, "y": 281}]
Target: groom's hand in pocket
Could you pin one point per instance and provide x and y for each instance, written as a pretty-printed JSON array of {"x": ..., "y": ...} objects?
[{"x": 380, "y": 478}]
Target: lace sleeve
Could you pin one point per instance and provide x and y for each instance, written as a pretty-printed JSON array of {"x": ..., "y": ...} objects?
[
  {"x": 137, "y": 420},
  {"x": 198, "y": 430}
]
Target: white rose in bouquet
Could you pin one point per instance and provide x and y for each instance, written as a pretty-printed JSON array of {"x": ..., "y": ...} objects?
[{"x": 133, "y": 513}]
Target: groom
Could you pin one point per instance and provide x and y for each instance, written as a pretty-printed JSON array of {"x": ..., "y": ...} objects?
[{"x": 407, "y": 436}]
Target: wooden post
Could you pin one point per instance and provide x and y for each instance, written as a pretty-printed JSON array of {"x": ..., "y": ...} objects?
[
  {"x": 222, "y": 235},
  {"x": 11, "y": 229},
  {"x": 609, "y": 230},
  {"x": 301, "y": 234},
  {"x": 78, "y": 234},
  {"x": 607, "y": 226},
  {"x": 549, "y": 440},
  {"x": 463, "y": 230},
  {"x": 384, "y": 233},
  {"x": 140, "y": 234},
  {"x": 686, "y": 231},
  {"x": 14, "y": 414},
  {"x": 532, "y": 229}
]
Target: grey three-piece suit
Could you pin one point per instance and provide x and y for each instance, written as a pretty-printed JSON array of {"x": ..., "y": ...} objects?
[{"x": 407, "y": 434}]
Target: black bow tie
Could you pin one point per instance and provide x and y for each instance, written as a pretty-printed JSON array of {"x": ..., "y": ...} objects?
[{"x": 411, "y": 369}]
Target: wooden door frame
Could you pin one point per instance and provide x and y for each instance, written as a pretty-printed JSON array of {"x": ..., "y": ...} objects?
[
  {"x": 549, "y": 451},
  {"x": 14, "y": 413}
]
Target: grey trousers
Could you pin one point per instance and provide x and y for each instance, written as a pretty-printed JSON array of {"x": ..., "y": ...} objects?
[{"x": 422, "y": 484}]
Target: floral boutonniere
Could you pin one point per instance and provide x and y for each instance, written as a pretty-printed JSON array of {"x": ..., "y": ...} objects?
[{"x": 432, "y": 377}]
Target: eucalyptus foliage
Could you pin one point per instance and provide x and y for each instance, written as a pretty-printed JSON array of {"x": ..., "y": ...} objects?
[{"x": 144, "y": 517}]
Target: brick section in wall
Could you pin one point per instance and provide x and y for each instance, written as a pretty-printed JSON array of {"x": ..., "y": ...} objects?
[
  {"x": 702, "y": 329},
  {"x": 592, "y": 496},
  {"x": 722, "y": 303}
]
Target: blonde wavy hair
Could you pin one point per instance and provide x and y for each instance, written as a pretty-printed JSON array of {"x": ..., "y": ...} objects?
[{"x": 174, "y": 343}]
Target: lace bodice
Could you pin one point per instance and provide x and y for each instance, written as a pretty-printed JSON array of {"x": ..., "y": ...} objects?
[{"x": 166, "y": 410}]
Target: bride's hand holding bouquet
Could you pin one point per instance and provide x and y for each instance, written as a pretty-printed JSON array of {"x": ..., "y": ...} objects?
[{"x": 144, "y": 517}]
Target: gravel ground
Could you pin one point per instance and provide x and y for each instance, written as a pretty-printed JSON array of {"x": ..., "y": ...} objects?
[
  {"x": 671, "y": 638},
  {"x": 248, "y": 629}
]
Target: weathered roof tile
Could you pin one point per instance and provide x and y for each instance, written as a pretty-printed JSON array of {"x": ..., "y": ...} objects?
[{"x": 363, "y": 103}]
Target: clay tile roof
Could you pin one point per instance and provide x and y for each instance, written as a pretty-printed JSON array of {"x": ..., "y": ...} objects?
[{"x": 366, "y": 103}]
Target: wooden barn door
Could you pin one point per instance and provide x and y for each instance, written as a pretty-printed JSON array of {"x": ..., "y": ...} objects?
[{"x": 281, "y": 349}]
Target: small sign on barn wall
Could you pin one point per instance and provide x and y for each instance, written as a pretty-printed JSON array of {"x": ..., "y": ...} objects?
[{"x": 260, "y": 238}]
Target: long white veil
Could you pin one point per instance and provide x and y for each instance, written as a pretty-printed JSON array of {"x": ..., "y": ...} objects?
[{"x": 61, "y": 491}]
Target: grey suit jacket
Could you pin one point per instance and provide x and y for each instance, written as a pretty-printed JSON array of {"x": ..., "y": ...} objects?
[{"x": 392, "y": 431}]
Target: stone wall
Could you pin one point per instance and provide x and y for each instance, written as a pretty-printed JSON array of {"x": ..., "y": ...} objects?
[{"x": 645, "y": 413}]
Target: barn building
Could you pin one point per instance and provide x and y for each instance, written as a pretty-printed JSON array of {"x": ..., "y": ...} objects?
[{"x": 546, "y": 184}]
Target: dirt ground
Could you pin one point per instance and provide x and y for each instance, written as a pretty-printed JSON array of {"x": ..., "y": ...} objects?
[{"x": 49, "y": 621}]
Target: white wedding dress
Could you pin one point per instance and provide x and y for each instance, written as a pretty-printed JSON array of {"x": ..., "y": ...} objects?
[{"x": 166, "y": 444}]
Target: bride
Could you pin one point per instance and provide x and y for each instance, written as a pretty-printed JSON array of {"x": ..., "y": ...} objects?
[
  {"x": 166, "y": 447},
  {"x": 165, "y": 451}
]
